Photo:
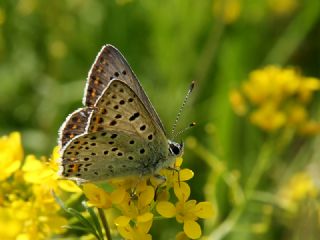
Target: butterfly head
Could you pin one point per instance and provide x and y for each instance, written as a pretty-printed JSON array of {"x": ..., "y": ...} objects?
[{"x": 175, "y": 149}]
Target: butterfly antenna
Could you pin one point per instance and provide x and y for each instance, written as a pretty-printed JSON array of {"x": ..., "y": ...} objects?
[
  {"x": 191, "y": 125},
  {"x": 181, "y": 108}
]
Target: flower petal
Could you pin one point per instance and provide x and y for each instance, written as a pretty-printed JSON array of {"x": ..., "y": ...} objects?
[
  {"x": 69, "y": 186},
  {"x": 145, "y": 217},
  {"x": 146, "y": 196},
  {"x": 118, "y": 195},
  {"x": 125, "y": 232},
  {"x": 97, "y": 196},
  {"x": 192, "y": 229},
  {"x": 122, "y": 221},
  {"x": 182, "y": 191},
  {"x": 186, "y": 174},
  {"x": 178, "y": 162},
  {"x": 144, "y": 226},
  {"x": 182, "y": 236},
  {"x": 204, "y": 210},
  {"x": 166, "y": 209},
  {"x": 11, "y": 154}
]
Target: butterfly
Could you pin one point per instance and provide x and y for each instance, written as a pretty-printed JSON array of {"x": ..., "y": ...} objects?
[{"x": 118, "y": 132}]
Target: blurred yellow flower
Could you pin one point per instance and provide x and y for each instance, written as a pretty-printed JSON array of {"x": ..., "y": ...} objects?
[
  {"x": 271, "y": 83},
  {"x": 228, "y": 10},
  {"x": 10, "y": 227},
  {"x": 301, "y": 186},
  {"x": 276, "y": 98},
  {"x": 297, "y": 114},
  {"x": 282, "y": 7},
  {"x": 57, "y": 49},
  {"x": 26, "y": 7},
  {"x": 310, "y": 127},
  {"x": 268, "y": 117},
  {"x": 238, "y": 102},
  {"x": 307, "y": 87},
  {"x": 35, "y": 171},
  {"x": 11, "y": 154}
]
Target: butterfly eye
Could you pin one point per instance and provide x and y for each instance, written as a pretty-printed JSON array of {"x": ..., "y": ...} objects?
[{"x": 175, "y": 150}]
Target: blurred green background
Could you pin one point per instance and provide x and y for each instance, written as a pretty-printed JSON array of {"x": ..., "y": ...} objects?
[{"x": 47, "y": 48}]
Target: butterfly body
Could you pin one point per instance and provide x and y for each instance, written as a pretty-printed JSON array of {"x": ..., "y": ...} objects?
[{"x": 117, "y": 133}]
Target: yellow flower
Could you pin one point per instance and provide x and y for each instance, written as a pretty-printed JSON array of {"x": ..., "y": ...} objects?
[
  {"x": 174, "y": 177},
  {"x": 307, "y": 87},
  {"x": 271, "y": 83},
  {"x": 310, "y": 127},
  {"x": 57, "y": 49},
  {"x": 238, "y": 102},
  {"x": 41, "y": 171},
  {"x": 268, "y": 117},
  {"x": 35, "y": 171},
  {"x": 26, "y": 200},
  {"x": 228, "y": 10},
  {"x": 137, "y": 232},
  {"x": 97, "y": 196},
  {"x": 11, "y": 154},
  {"x": 10, "y": 226},
  {"x": 277, "y": 98},
  {"x": 186, "y": 212},
  {"x": 135, "y": 205},
  {"x": 297, "y": 114},
  {"x": 298, "y": 188},
  {"x": 35, "y": 220},
  {"x": 283, "y": 7}
]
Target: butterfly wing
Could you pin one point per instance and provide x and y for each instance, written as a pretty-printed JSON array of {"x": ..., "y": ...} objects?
[
  {"x": 109, "y": 65},
  {"x": 121, "y": 139},
  {"x": 75, "y": 124},
  {"x": 103, "y": 155}
]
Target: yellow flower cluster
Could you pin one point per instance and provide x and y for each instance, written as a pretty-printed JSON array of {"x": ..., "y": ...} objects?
[
  {"x": 27, "y": 207},
  {"x": 138, "y": 198},
  {"x": 275, "y": 98}
]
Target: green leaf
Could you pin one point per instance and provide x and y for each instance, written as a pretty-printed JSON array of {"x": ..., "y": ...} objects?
[
  {"x": 88, "y": 227},
  {"x": 94, "y": 218}
]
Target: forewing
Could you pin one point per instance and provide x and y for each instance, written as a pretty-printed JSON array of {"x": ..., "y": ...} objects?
[
  {"x": 74, "y": 125},
  {"x": 110, "y": 154},
  {"x": 109, "y": 65},
  {"x": 119, "y": 108}
]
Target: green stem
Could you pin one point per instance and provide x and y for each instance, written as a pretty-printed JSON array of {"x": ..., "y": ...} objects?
[
  {"x": 229, "y": 223},
  {"x": 295, "y": 33},
  {"x": 209, "y": 51},
  {"x": 258, "y": 170},
  {"x": 105, "y": 223}
]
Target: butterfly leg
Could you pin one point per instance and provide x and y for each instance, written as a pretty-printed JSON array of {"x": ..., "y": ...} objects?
[
  {"x": 163, "y": 179},
  {"x": 134, "y": 187},
  {"x": 175, "y": 169},
  {"x": 160, "y": 177}
]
